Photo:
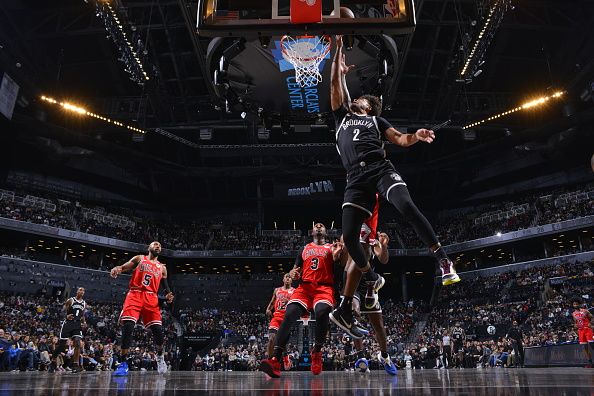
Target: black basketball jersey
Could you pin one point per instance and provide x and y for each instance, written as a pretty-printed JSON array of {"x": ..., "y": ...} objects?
[
  {"x": 359, "y": 138},
  {"x": 77, "y": 308},
  {"x": 458, "y": 334}
]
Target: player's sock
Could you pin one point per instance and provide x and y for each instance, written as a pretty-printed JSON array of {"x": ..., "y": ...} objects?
[
  {"x": 439, "y": 252},
  {"x": 347, "y": 302},
  {"x": 278, "y": 353}
]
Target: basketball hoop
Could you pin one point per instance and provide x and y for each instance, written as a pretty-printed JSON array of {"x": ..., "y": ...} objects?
[{"x": 306, "y": 53}]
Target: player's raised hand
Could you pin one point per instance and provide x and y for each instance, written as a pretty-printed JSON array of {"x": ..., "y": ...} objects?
[
  {"x": 169, "y": 297},
  {"x": 425, "y": 135},
  {"x": 115, "y": 271},
  {"x": 383, "y": 238},
  {"x": 344, "y": 68},
  {"x": 295, "y": 273},
  {"x": 269, "y": 313},
  {"x": 337, "y": 247},
  {"x": 338, "y": 41}
]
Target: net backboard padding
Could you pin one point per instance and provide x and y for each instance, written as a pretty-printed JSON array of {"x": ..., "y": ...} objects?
[
  {"x": 261, "y": 78},
  {"x": 244, "y": 18}
]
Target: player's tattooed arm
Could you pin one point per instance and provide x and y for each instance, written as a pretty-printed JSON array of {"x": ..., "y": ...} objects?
[
  {"x": 408, "y": 139},
  {"x": 128, "y": 266},
  {"x": 381, "y": 248}
]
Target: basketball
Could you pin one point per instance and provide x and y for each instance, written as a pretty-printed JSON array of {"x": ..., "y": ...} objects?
[
  {"x": 592, "y": 162},
  {"x": 346, "y": 12}
]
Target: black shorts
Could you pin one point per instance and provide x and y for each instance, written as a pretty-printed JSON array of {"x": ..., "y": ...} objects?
[
  {"x": 363, "y": 310},
  {"x": 70, "y": 329},
  {"x": 458, "y": 347},
  {"x": 365, "y": 181}
]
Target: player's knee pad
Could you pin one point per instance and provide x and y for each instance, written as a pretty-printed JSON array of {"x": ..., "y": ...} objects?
[
  {"x": 158, "y": 335},
  {"x": 127, "y": 330}
]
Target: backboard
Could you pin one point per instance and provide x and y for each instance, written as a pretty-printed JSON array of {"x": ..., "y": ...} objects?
[{"x": 245, "y": 18}]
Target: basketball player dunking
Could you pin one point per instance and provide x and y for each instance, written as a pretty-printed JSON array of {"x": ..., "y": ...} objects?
[
  {"x": 315, "y": 266},
  {"x": 276, "y": 311},
  {"x": 142, "y": 302},
  {"x": 72, "y": 327},
  {"x": 359, "y": 134}
]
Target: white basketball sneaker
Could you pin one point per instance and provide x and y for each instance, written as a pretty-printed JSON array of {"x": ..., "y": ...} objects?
[{"x": 161, "y": 365}]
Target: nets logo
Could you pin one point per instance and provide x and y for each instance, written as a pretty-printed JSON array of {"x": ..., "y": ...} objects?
[
  {"x": 491, "y": 330},
  {"x": 395, "y": 177}
]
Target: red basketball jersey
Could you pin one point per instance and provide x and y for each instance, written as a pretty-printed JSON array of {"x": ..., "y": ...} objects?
[
  {"x": 282, "y": 298},
  {"x": 581, "y": 319},
  {"x": 369, "y": 228},
  {"x": 146, "y": 276},
  {"x": 318, "y": 264}
]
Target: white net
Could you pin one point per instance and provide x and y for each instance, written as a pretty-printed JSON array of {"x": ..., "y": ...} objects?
[{"x": 306, "y": 54}]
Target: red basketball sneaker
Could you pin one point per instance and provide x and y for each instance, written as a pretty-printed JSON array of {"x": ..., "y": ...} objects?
[
  {"x": 287, "y": 363},
  {"x": 271, "y": 367},
  {"x": 316, "y": 363}
]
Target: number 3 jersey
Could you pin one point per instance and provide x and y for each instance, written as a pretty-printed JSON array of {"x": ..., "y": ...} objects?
[
  {"x": 147, "y": 276},
  {"x": 318, "y": 264},
  {"x": 359, "y": 138}
]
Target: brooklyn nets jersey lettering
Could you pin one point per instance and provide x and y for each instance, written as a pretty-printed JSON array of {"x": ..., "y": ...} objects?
[
  {"x": 77, "y": 308},
  {"x": 359, "y": 138}
]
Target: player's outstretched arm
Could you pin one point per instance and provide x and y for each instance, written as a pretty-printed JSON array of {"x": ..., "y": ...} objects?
[
  {"x": 381, "y": 249},
  {"x": 408, "y": 139},
  {"x": 336, "y": 89},
  {"x": 128, "y": 266},
  {"x": 339, "y": 92}
]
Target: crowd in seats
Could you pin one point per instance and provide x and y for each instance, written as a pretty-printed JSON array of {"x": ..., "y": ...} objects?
[
  {"x": 538, "y": 298},
  {"x": 451, "y": 227},
  {"x": 486, "y": 220},
  {"x": 29, "y": 330},
  {"x": 543, "y": 313},
  {"x": 245, "y": 335}
]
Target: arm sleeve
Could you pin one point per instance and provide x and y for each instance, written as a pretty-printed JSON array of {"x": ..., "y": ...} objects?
[
  {"x": 383, "y": 125},
  {"x": 165, "y": 285},
  {"x": 339, "y": 115},
  {"x": 299, "y": 259}
]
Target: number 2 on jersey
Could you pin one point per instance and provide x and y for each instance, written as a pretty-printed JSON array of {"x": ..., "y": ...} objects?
[
  {"x": 314, "y": 263},
  {"x": 147, "y": 279},
  {"x": 356, "y": 137}
]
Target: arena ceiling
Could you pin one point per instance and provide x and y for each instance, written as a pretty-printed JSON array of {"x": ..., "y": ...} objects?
[{"x": 61, "y": 50}]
